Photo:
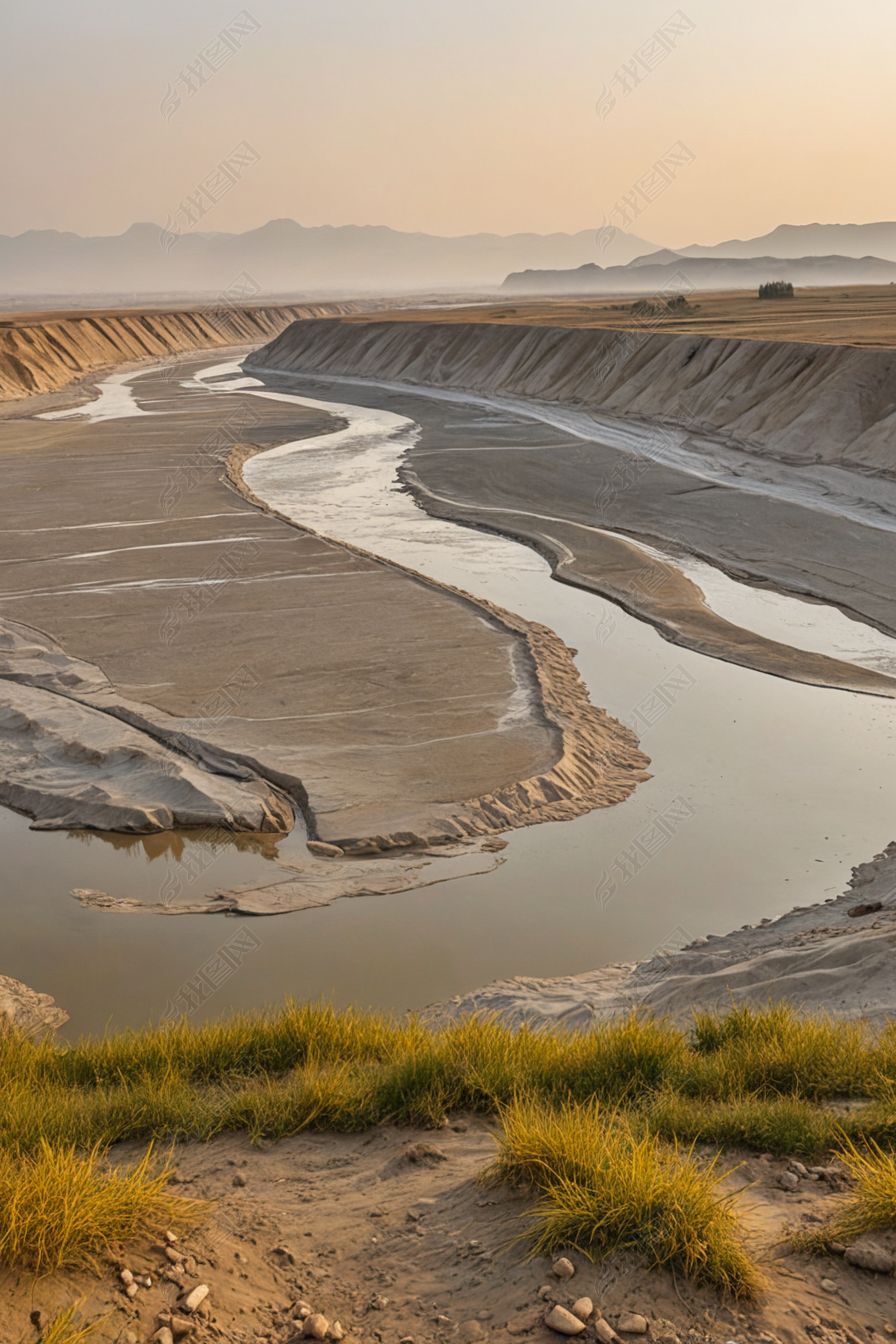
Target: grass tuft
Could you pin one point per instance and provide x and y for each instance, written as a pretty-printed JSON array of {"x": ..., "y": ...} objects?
[
  {"x": 59, "y": 1208},
  {"x": 871, "y": 1205},
  {"x": 64, "y": 1328},
  {"x": 607, "y": 1184}
]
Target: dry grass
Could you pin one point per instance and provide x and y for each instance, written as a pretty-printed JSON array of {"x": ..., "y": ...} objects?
[
  {"x": 65, "y": 1328},
  {"x": 871, "y": 1205},
  {"x": 607, "y": 1185},
  {"x": 767, "y": 1079},
  {"x": 760, "y": 1078},
  {"x": 59, "y": 1208}
]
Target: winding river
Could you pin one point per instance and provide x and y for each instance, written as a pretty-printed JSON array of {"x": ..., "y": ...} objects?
[{"x": 765, "y": 791}]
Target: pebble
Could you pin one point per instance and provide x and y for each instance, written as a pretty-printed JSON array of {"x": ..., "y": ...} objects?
[
  {"x": 240, "y": 1180},
  {"x": 583, "y": 1307},
  {"x": 873, "y": 1258},
  {"x": 126, "y": 1277},
  {"x": 180, "y": 1326},
  {"x": 829, "y": 1285},
  {"x": 323, "y": 850},
  {"x": 131, "y": 1291},
  {"x": 196, "y": 1297},
  {"x": 788, "y": 1180},
  {"x": 174, "y": 1256},
  {"x": 316, "y": 1326},
  {"x": 563, "y": 1321},
  {"x": 604, "y": 1331},
  {"x": 631, "y": 1323},
  {"x": 799, "y": 1170},
  {"x": 336, "y": 1331},
  {"x": 163, "y": 1336},
  {"x": 563, "y": 1268}
]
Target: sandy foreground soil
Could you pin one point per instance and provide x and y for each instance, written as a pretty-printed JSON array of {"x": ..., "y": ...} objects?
[{"x": 390, "y": 1234}]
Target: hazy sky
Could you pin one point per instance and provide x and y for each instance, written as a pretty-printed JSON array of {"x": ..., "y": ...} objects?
[{"x": 449, "y": 116}]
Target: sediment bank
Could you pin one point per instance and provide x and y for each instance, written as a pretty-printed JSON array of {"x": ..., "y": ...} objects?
[
  {"x": 837, "y": 957},
  {"x": 43, "y": 353},
  {"x": 687, "y": 443},
  {"x": 801, "y": 403}
]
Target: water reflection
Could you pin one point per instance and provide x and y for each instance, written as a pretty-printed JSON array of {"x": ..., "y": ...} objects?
[{"x": 174, "y": 844}]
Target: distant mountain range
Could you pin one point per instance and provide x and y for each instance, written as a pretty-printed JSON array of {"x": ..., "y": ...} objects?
[
  {"x": 672, "y": 272},
  {"x": 806, "y": 240},
  {"x": 283, "y": 257},
  {"x": 286, "y": 259}
]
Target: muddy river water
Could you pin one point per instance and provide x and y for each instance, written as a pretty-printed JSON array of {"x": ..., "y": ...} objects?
[{"x": 764, "y": 791}]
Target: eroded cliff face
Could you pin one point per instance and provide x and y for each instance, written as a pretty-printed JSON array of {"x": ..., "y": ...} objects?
[
  {"x": 46, "y": 353},
  {"x": 798, "y": 402}
]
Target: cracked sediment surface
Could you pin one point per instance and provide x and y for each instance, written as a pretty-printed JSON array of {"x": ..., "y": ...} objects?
[{"x": 234, "y": 669}]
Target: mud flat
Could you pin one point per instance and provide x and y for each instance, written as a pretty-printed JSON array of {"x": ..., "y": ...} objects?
[
  {"x": 281, "y": 675},
  {"x": 808, "y": 794}
]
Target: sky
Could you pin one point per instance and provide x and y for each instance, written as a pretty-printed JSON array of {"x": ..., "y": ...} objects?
[{"x": 460, "y": 117}]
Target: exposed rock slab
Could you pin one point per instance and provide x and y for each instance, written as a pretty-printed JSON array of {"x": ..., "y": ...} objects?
[{"x": 68, "y": 765}]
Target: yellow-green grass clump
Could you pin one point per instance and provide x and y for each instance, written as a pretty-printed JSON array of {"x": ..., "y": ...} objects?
[
  {"x": 60, "y": 1208},
  {"x": 607, "y": 1184},
  {"x": 871, "y": 1204},
  {"x": 625, "y": 1100},
  {"x": 65, "y": 1328}
]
